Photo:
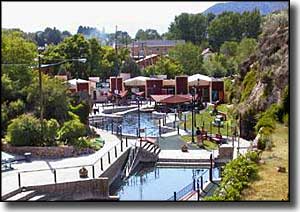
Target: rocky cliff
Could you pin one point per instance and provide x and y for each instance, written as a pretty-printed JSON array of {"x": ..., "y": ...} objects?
[{"x": 270, "y": 65}]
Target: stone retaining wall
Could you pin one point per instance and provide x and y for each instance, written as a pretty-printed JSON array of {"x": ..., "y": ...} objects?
[
  {"x": 78, "y": 190},
  {"x": 46, "y": 152}
]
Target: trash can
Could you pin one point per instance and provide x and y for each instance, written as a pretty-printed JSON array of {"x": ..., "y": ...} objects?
[{"x": 27, "y": 156}]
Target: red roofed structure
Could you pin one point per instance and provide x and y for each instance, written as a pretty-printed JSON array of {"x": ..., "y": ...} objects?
[{"x": 172, "y": 99}]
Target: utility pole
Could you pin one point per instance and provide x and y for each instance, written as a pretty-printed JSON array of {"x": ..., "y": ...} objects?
[
  {"x": 41, "y": 95},
  {"x": 116, "y": 65}
]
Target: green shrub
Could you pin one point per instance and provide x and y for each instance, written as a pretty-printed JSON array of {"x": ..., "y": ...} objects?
[
  {"x": 82, "y": 142},
  {"x": 16, "y": 108},
  {"x": 51, "y": 128},
  {"x": 253, "y": 156},
  {"x": 236, "y": 176},
  {"x": 261, "y": 144},
  {"x": 82, "y": 110},
  {"x": 24, "y": 130},
  {"x": 73, "y": 116},
  {"x": 248, "y": 84},
  {"x": 71, "y": 131},
  {"x": 268, "y": 119}
]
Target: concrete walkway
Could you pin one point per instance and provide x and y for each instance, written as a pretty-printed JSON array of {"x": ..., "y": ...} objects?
[{"x": 10, "y": 178}]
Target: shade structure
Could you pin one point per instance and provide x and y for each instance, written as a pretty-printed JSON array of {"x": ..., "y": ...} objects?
[
  {"x": 201, "y": 80},
  {"x": 172, "y": 99},
  {"x": 136, "y": 81}
]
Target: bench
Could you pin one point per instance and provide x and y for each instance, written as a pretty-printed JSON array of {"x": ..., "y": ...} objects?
[{"x": 218, "y": 139}]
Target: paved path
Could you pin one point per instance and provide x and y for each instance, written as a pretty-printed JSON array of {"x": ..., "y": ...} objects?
[
  {"x": 10, "y": 178},
  {"x": 191, "y": 154}
]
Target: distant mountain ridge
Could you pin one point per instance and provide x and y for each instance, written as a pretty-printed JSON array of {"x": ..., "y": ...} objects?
[{"x": 265, "y": 7}]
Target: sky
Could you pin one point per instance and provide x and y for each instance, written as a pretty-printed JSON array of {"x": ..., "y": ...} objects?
[{"x": 128, "y": 16}]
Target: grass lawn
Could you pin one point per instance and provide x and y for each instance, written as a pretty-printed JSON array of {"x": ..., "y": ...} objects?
[
  {"x": 208, "y": 145},
  {"x": 272, "y": 185},
  {"x": 206, "y": 119}
]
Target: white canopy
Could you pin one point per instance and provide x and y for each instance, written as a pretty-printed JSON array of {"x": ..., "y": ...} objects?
[
  {"x": 75, "y": 81},
  {"x": 136, "y": 81},
  {"x": 203, "y": 80}
]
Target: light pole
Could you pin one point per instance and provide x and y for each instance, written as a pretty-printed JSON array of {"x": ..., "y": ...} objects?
[
  {"x": 40, "y": 66},
  {"x": 139, "y": 118},
  {"x": 193, "y": 95},
  {"x": 116, "y": 65},
  {"x": 40, "y": 49}
]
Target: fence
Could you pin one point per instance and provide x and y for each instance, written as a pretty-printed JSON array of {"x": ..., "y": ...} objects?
[
  {"x": 71, "y": 173},
  {"x": 196, "y": 185}
]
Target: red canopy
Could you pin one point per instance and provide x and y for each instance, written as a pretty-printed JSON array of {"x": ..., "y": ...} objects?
[{"x": 172, "y": 99}]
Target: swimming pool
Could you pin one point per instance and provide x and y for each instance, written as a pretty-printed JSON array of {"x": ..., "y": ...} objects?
[
  {"x": 157, "y": 183},
  {"x": 129, "y": 123}
]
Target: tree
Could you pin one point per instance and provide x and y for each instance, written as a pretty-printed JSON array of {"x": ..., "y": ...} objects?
[
  {"x": 95, "y": 57},
  {"x": 190, "y": 27},
  {"x": 76, "y": 47},
  {"x": 245, "y": 48},
  {"x": 189, "y": 56},
  {"x": 17, "y": 58},
  {"x": 229, "y": 48},
  {"x": 148, "y": 34},
  {"x": 130, "y": 66},
  {"x": 226, "y": 27},
  {"x": 181, "y": 27},
  {"x": 215, "y": 66},
  {"x": 50, "y": 36},
  {"x": 250, "y": 23},
  {"x": 56, "y": 100},
  {"x": 122, "y": 38},
  {"x": 166, "y": 66}
]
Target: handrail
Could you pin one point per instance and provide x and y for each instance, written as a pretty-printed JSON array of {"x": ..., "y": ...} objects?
[
  {"x": 69, "y": 167},
  {"x": 192, "y": 186}
]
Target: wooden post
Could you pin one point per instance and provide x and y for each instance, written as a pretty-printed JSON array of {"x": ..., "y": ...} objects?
[
  {"x": 175, "y": 196},
  {"x": 108, "y": 153},
  {"x": 101, "y": 164},
  {"x": 93, "y": 170},
  {"x": 210, "y": 169},
  {"x": 19, "y": 179},
  {"x": 54, "y": 173}
]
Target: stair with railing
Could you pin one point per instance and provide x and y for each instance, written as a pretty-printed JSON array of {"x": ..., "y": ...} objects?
[{"x": 144, "y": 152}]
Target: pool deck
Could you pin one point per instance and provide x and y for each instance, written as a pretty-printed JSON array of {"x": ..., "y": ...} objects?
[{"x": 10, "y": 178}]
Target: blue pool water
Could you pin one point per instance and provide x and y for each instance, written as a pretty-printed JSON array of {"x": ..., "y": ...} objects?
[
  {"x": 157, "y": 183},
  {"x": 129, "y": 124}
]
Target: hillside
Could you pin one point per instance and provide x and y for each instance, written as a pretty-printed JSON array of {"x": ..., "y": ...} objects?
[
  {"x": 240, "y": 7},
  {"x": 264, "y": 76}
]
